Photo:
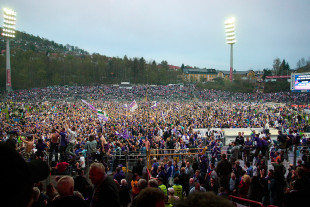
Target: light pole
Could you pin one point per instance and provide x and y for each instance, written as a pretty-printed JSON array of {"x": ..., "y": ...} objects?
[
  {"x": 230, "y": 39},
  {"x": 8, "y": 31}
]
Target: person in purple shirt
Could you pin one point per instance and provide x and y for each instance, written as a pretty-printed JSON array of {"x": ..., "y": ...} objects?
[
  {"x": 119, "y": 175},
  {"x": 63, "y": 144},
  {"x": 248, "y": 146},
  {"x": 259, "y": 145},
  {"x": 265, "y": 145}
]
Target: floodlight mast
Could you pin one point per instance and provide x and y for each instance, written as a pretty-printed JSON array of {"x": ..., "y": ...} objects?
[
  {"x": 230, "y": 39},
  {"x": 8, "y": 31}
]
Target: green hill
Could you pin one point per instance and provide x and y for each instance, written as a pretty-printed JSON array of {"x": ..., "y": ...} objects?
[{"x": 38, "y": 62}]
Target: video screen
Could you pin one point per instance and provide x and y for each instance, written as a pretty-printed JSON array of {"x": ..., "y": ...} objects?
[{"x": 302, "y": 82}]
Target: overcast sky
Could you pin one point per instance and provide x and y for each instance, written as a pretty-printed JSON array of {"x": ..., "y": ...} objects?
[{"x": 179, "y": 31}]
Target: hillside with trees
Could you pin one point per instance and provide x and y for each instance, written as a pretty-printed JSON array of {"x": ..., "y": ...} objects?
[{"x": 38, "y": 62}]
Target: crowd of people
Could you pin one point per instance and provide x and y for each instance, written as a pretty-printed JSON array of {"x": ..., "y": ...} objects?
[
  {"x": 154, "y": 93},
  {"x": 56, "y": 126}
]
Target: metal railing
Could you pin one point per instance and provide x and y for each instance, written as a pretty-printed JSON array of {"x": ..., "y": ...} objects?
[{"x": 244, "y": 202}]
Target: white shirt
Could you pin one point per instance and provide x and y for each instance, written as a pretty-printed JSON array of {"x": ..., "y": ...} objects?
[
  {"x": 82, "y": 162},
  {"x": 72, "y": 136},
  {"x": 185, "y": 138}
]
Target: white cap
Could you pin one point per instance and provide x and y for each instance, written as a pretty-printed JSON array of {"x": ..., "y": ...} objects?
[{"x": 171, "y": 190}]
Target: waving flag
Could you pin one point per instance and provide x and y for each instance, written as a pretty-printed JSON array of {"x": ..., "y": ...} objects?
[
  {"x": 89, "y": 105},
  {"x": 133, "y": 106},
  {"x": 102, "y": 115},
  {"x": 154, "y": 106}
]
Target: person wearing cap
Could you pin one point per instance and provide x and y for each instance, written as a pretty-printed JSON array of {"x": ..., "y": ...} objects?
[
  {"x": 105, "y": 189},
  {"x": 171, "y": 197}
]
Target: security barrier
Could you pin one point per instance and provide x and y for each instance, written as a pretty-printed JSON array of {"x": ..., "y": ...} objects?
[{"x": 242, "y": 202}]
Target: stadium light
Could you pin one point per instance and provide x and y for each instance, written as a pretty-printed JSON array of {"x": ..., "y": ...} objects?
[
  {"x": 230, "y": 39},
  {"x": 8, "y": 31}
]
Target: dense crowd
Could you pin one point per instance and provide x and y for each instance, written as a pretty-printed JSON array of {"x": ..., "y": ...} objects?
[
  {"x": 153, "y": 93},
  {"x": 55, "y": 125}
]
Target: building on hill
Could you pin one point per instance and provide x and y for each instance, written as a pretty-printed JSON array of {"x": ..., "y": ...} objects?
[
  {"x": 206, "y": 75},
  {"x": 199, "y": 75}
]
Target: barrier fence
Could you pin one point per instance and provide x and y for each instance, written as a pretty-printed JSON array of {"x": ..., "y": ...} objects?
[
  {"x": 243, "y": 202},
  {"x": 178, "y": 154}
]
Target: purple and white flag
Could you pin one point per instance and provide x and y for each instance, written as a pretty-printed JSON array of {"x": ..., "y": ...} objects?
[
  {"x": 133, "y": 106},
  {"x": 102, "y": 116},
  {"x": 89, "y": 105},
  {"x": 154, "y": 106}
]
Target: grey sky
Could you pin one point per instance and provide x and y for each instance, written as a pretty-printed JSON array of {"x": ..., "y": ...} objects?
[{"x": 179, "y": 31}]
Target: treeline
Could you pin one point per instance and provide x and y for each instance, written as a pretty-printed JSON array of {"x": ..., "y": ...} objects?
[{"x": 32, "y": 69}]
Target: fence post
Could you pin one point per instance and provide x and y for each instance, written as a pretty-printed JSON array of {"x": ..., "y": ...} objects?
[
  {"x": 148, "y": 161},
  {"x": 126, "y": 158}
]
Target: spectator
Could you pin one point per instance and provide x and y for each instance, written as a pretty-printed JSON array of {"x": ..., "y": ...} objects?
[
  {"x": 60, "y": 168},
  {"x": 81, "y": 184},
  {"x": 171, "y": 197},
  {"x": 91, "y": 148},
  {"x": 153, "y": 183},
  {"x": 18, "y": 177},
  {"x": 223, "y": 171},
  {"x": 72, "y": 135},
  {"x": 65, "y": 187},
  {"x": 138, "y": 168},
  {"x": 124, "y": 193},
  {"x": 36, "y": 195},
  {"x": 150, "y": 197},
  {"x": 197, "y": 188},
  {"x": 178, "y": 189},
  {"x": 243, "y": 187},
  {"x": 105, "y": 192},
  {"x": 134, "y": 185},
  {"x": 189, "y": 170},
  {"x": 54, "y": 145},
  {"x": 119, "y": 175},
  {"x": 162, "y": 187},
  {"x": 184, "y": 181},
  {"x": 255, "y": 190}
]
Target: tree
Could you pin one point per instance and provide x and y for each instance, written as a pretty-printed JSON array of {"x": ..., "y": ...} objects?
[
  {"x": 284, "y": 68},
  {"x": 266, "y": 72},
  {"x": 276, "y": 66},
  {"x": 301, "y": 63},
  {"x": 182, "y": 67}
]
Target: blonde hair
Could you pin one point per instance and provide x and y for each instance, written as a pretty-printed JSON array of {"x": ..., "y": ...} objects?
[{"x": 246, "y": 179}]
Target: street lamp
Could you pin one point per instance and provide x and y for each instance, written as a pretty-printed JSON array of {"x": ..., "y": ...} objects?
[
  {"x": 8, "y": 31},
  {"x": 230, "y": 39}
]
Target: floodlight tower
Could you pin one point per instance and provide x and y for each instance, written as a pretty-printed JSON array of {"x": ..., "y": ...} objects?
[
  {"x": 230, "y": 39},
  {"x": 8, "y": 31}
]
